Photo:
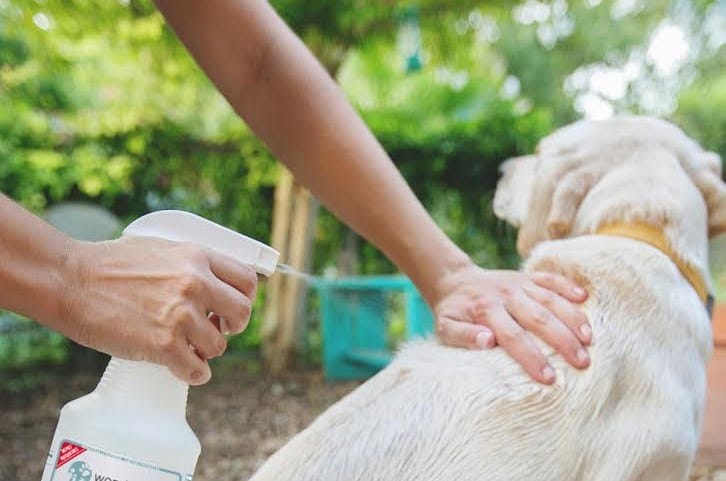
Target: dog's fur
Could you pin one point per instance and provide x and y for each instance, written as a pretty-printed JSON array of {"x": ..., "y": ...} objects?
[{"x": 440, "y": 413}]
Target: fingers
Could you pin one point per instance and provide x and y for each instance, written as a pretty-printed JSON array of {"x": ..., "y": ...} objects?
[
  {"x": 536, "y": 318},
  {"x": 226, "y": 289},
  {"x": 516, "y": 307},
  {"x": 185, "y": 364},
  {"x": 186, "y": 352},
  {"x": 217, "y": 322},
  {"x": 176, "y": 353},
  {"x": 231, "y": 299},
  {"x": 563, "y": 310},
  {"x": 240, "y": 276},
  {"x": 463, "y": 334},
  {"x": 560, "y": 285},
  {"x": 204, "y": 336},
  {"x": 233, "y": 307},
  {"x": 520, "y": 345}
]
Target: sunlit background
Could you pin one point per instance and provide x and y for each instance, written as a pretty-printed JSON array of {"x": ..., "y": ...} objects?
[
  {"x": 100, "y": 105},
  {"x": 100, "y": 102}
]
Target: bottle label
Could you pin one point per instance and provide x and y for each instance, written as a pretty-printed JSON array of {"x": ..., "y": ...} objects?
[{"x": 76, "y": 462}]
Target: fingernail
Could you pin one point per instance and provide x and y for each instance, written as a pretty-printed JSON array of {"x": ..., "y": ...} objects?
[
  {"x": 578, "y": 291},
  {"x": 196, "y": 376},
  {"x": 483, "y": 339},
  {"x": 548, "y": 373},
  {"x": 582, "y": 356},
  {"x": 221, "y": 346},
  {"x": 586, "y": 331}
]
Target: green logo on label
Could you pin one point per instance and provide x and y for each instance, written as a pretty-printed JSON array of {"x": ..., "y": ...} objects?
[{"x": 80, "y": 471}]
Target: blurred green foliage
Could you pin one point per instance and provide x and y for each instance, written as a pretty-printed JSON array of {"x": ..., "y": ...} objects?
[
  {"x": 23, "y": 347},
  {"x": 100, "y": 102}
]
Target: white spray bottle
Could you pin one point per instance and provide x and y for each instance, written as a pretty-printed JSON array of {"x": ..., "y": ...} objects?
[{"x": 133, "y": 426}]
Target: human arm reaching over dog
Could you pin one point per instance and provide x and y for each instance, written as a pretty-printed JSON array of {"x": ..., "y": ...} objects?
[{"x": 275, "y": 84}]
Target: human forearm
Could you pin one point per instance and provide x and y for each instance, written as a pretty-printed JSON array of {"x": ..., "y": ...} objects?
[
  {"x": 316, "y": 133},
  {"x": 289, "y": 100},
  {"x": 292, "y": 104},
  {"x": 33, "y": 259}
]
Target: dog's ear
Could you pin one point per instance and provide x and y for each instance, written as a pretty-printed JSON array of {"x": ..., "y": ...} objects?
[
  {"x": 713, "y": 190},
  {"x": 568, "y": 194},
  {"x": 514, "y": 189}
]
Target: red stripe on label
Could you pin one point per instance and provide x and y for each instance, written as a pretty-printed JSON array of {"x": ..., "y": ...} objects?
[{"x": 67, "y": 452}]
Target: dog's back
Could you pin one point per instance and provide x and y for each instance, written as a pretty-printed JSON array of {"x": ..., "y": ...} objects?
[{"x": 440, "y": 413}]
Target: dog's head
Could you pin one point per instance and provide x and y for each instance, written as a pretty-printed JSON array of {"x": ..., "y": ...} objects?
[{"x": 607, "y": 163}]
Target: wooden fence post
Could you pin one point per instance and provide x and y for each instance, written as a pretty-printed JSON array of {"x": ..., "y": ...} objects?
[{"x": 293, "y": 228}]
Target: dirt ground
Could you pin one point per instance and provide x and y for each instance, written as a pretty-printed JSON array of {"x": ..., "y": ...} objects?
[{"x": 241, "y": 418}]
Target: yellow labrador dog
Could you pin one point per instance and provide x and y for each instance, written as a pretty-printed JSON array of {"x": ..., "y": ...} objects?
[{"x": 623, "y": 206}]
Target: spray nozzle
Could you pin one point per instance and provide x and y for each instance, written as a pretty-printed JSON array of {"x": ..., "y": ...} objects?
[{"x": 180, "y": 226}]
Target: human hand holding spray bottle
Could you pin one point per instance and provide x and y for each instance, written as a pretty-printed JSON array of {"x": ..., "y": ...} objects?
[{"x": 133, "y": 425}]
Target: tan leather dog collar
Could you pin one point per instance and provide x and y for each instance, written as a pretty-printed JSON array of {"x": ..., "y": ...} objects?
[{"x": 655, "y": 237}]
